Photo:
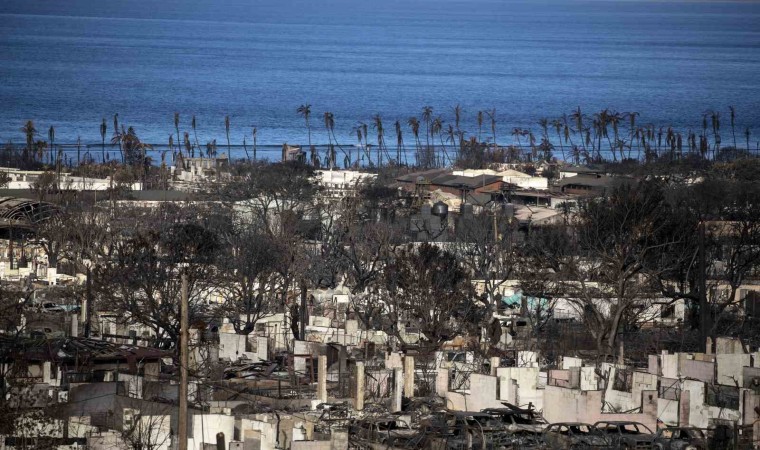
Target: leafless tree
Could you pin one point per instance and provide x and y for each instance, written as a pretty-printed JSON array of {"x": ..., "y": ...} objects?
[
  {"x": 430, "y": 287},
  {"x": 485, "y": 245},
  {"x": 608, "y": 261},
  {"x": 247, "y": 279},
  {"x": 148, "y": 428},
  {"x": 725, "y": 249},
  {"x": 140, "y": 279}
]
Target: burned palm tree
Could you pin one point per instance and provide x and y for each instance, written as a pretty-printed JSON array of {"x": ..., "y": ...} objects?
[
  {"x": 188, "y": 145},
  {"x": 436, "y": 128},
  {"x": 575, "y": 153},
  {"x": 532, "y": 141},
  {"x": 414, "y": 125},
  {"x": 692, "y": 142},
  {"x": 176, "y": 129},
  {"x": 427, "y": 116},
  {"x": 116, "y": 140},
  {"x": 544, "y": 124},
  {"x": 117, "y": 136},
  {"x": 679, "y": 145},
  {"x": 51, "y": 139},
  {"x": 601, "y": 122},
  {"x": 451, "y": 137},
  {"x": 557, "y": 124},
  {"x": 329, "y": 121},
  {"x": 30, "y": 131},
  {"x": 211, "y": 148},
  {"x": 305, "y": 112},
  {"x": 245, "y": 149},
  {"x": 40, "y": 147},
  {"x": 632, "y": 124},
  {"x": 103, "y": 130},
  {"x": 517, "y": 133},
  {"x": 359, "y": 131},
  {"x": 135, "y": 150},
  {"x": 399, "y": 142},
  {"x": 715, "y": 121},
  {"x": 492, "y": 118},
  {"x": 614, "y": 119},
  {"x": 621, "y": 145},
  {"x": 577, "y": 117},
  {"x": 195, "y": 136},
  {"x": 171, "y": 143},
  {"x": 567, "y": 131},
  {"x": 659, "y": 141},
  {"x": 457, "y": 117},
  {"x": 377, "y": 124},
  {"x": 480, "y": 125},
  {"x": 227, "y": 131}
]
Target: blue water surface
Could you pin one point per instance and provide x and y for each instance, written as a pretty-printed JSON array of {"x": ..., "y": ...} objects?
[{"x": 71, "y": 63}]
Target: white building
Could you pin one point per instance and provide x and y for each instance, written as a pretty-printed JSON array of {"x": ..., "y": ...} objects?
[
  {"x": 25, "y": 179},
  {"x": 523, "y": 180},
  {"x": 340, "y": 183}
]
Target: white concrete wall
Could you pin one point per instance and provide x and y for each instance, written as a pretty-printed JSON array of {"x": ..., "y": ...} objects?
[
  {"x": 263, "y": 426},
  {"x": 231, "y": 346},
  {"x": 70, "y": 183},
  {"x": 527, "y": 359},
  {"x": 206, "y": 426},
  {"x": 573, "y": 405},
  {"x": 525, "y": 379},
  {"x": 589, "y": 379},
  {"x": 667, "y": 411},
  {"x": 730, "y": 368},
  {"x": 483, "y": 394},
  {"x": 156, "y": 432},
  {"x": 699, "y": 413},
  {"x": 529, "y": 182},
  {"x": 569, "y": 361}
]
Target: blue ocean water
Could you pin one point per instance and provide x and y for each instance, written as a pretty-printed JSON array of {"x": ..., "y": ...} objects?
[{"x": 72, "y": 63}]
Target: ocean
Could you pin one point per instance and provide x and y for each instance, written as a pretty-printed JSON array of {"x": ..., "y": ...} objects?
[{"x": 72, "y": 63}]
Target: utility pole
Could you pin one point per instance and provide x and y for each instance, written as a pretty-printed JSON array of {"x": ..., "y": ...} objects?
[
  {"x": 88, "y": 304},
  {"x": 183, "y": 362},
  {"x": 303, "y": 313},
  {"x": 704, "y": 307}
]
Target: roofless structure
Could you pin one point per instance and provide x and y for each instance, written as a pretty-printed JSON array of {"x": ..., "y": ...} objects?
[{"x": 24, "y": 214}]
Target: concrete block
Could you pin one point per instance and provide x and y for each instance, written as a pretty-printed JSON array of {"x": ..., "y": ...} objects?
[
  {"x": 360, "y": 385},
  {"x": 495, "y": 361},
  {"x": 442, "y": 382},
  {"x": 322, "y": 379},
  {"x": 398, "y": 389},
  {"x": 570, "y": 361},
  {"x": 409, "y": 376}
]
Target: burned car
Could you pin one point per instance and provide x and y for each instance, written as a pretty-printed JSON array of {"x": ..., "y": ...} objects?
[
  {"x": 461, "y": 429},
  {"x": 574, "y": 435},
  {"x": 627, "y": 435},
  {"x": 525, "y": 440},
  {"x": 680, "y": 438},
  {"x": 517, "y": 420},
  {"x": 389, "y": 431}
]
